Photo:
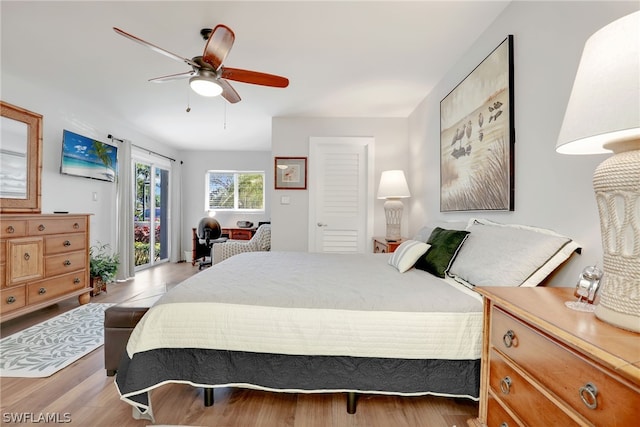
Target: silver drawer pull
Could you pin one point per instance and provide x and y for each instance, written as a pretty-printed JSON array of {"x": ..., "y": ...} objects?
[
  {"x": 11, "y": 299},
  {"x": 66, "y": 243},
  {"x": 505, "y": 385},
  {"x": 508, "y": 338},
  {"x": 42, "y": 291},
  {"x": 589, "y": 395}
]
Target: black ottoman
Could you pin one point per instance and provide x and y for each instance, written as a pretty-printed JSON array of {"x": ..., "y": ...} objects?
[{"x": 119, "y": 321}]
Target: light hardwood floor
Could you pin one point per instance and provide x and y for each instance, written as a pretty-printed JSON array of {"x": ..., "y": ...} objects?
[{"x": 85, "y": 396}]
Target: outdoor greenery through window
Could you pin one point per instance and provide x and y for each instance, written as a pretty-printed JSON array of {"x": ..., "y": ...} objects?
[{"x": 235, "y": 190}]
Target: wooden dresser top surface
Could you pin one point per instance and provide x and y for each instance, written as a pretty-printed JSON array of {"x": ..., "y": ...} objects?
[{"x": 544, "y": 308}]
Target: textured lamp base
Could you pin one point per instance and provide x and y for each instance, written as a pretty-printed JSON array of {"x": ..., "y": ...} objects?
[
  {"x": 393, "y": 212},
  {"x": 617, "y": 186}
]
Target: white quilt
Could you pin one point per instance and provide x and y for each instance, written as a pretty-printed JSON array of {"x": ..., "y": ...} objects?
[{"x": 316, "y": 304}]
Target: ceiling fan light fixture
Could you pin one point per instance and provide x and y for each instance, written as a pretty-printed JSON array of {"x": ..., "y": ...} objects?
[{"x": 205, "y": 85}]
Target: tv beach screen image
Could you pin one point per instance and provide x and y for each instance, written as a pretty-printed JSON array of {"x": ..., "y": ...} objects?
[{"x": 82, "y": 156}]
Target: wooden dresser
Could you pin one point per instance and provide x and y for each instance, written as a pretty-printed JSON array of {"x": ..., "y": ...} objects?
[
  {"x": 239, "y": 233},
  {"x": 44, "y": 259},
  {"x": 546, "y": 365}
]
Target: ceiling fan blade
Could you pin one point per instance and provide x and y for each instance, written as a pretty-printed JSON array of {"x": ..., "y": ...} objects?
[
  {"x": 218, "y": 46},
  {"x": 171, "y": 77},
  {"x": 228, "y": 92},
  {"x": 254, "y": 77},
  {"x": 155, "y": 48}
]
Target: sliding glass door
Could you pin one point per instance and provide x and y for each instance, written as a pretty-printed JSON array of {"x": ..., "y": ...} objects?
[{"x": 151, "y": 225}]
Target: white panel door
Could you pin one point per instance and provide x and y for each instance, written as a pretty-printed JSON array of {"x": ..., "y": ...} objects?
[{"x": 339, "y": 206}]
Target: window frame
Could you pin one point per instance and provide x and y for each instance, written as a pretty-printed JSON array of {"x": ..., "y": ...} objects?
[{"x": 235, "y": 173}]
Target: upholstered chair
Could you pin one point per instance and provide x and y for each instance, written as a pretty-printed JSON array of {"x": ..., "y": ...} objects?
[{"x": 261, "y": 241}]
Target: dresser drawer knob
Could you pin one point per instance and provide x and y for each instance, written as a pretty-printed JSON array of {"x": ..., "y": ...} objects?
[
  {"x": 11, "y": 299},
  {"x": 76, "y": 226},
  {"x": 508, "y": 338},
  {"x": 504, "y": 424},
  {"x": 505, "y": 385},
  {"x": 10, "y": 229},
  {"x": 42, "y": 291},
  {"x": 589, "y": 395},
  {"x": 66, "y": 243},
  {"x": 41, "y": 227},
  {"x": 76, "y": 281},
  {"x": 26, "y": 256},
  {"x": 66, "y": 263}
]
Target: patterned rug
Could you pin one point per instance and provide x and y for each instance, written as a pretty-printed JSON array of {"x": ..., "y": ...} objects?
[{"x": 45, "y": 348}]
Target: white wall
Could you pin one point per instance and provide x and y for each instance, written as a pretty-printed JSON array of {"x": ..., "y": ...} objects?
[
  {"x": 194, "y": 186},
  {"x": 290, "y": 137},
  {"x": 75, "y": 194},
  {"x": 551, "y": 190},
  {"x": 60, "y": 111}
]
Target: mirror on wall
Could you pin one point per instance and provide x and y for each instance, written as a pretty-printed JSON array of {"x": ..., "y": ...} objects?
[{"x": 20, "y": 159}]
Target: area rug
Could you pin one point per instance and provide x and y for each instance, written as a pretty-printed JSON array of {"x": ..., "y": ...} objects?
[{"x": 45, "y": 348}]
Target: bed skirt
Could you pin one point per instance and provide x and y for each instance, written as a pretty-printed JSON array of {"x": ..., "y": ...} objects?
[{"x": 295, "y": 374}]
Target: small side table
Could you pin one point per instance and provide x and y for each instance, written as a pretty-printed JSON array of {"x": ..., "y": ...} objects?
[{"x": 380, "y": 245}]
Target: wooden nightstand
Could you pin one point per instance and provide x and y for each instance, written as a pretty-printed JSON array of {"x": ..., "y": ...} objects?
[
  {"x": 544, "y": 364},
  {"x": 380, "y": 245}
]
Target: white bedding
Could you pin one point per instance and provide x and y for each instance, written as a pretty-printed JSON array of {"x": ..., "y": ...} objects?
[{"x": 316, "y": 304}]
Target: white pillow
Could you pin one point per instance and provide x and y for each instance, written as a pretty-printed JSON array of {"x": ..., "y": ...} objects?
[
  {"x": 406, "y": 255},
  {"x": 509, "y": 255}
]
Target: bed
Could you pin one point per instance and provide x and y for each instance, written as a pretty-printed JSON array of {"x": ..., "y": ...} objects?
[{"x": 312, "y": 323}]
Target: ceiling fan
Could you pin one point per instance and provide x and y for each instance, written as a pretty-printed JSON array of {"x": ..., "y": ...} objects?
[{"x": 209, "y": 76}]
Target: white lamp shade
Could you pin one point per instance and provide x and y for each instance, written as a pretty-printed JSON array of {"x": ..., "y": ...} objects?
[
  {"x": 205, "y": 86},
  {"x": 604, "y": 107},
  {"x": 393, "y": 184}
]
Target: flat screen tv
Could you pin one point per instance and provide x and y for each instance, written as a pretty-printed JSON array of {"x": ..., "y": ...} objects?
[{"x": 86, "y": 157}]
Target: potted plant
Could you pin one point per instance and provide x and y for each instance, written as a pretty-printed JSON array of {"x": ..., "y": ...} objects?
[{"x": 103, "y": 265}]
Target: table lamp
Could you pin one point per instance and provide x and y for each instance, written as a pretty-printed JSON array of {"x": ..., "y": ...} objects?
[
  {"x": 603, "y": 116},
  {"x": 393, "y": 187}
]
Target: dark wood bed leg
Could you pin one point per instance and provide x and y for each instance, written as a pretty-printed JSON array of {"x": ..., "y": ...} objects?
[
  {"x": 352, "y": 399},
  {"x": 208, "y": 397}
]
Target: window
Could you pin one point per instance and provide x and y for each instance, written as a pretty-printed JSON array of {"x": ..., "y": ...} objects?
[{"x": 232, "y": 190}]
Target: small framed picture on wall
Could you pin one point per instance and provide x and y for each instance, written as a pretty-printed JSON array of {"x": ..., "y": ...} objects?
[{"x": 290, "y": 173}]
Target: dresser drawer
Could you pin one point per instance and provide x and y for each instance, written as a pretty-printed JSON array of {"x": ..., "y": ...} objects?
[
  {"x": 570, "y": 376},
  {"x": 43, "y": 226},
  {"x": 64, "y": 243},
  {"x": 13, "y": 228},
  {"x": 51, "y": 288},
  {"x": 516, "y": 392},
  {"x": 239, "y": 234},
  {"x": 25, "y": 260},
  {"x": 498, "y": 416},
  {"x": 12, "y": 298},
  {"x": 64, "y": 263}
]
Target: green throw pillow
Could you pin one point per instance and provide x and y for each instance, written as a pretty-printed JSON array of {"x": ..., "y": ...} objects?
[{"x": 444, "y": 247}]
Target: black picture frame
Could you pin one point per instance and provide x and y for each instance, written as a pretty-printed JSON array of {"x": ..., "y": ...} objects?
[{"x": 477, "y": 137}]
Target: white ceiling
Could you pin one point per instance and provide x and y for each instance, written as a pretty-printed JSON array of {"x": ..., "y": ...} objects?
[{"x": 343, "y": 59}]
